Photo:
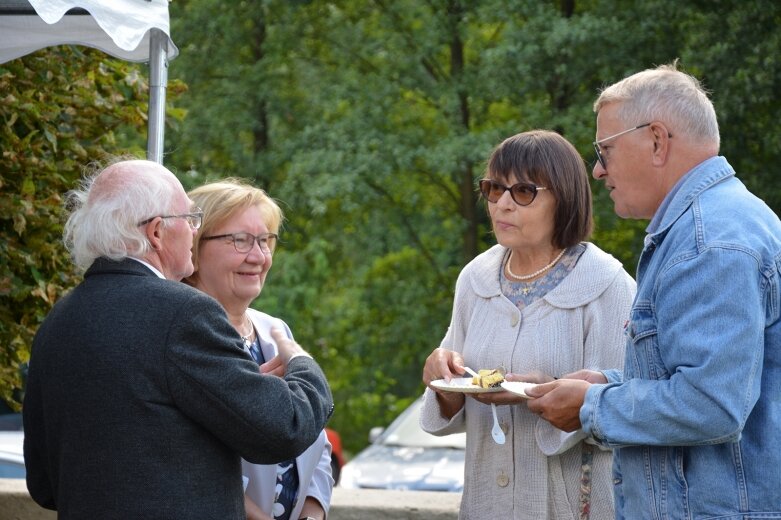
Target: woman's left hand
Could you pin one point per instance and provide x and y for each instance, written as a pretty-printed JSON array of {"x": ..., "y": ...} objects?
[
  {"x": 535, "y": 376},
  {"x": 498, "y": 398},
  {"x": 273, "y": 367}
]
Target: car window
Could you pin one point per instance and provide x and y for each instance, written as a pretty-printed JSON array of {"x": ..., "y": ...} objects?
[
  {"x": 406, "y": 431},
  {"x": 11, "y": 469}
]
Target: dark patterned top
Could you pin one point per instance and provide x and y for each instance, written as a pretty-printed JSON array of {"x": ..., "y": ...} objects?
[{"x": 287, "y": 474}]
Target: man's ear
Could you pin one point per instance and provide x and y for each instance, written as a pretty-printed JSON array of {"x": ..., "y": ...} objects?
[
  {"x": 154, "y": 231},
  {"x": 661, "y": 143}
]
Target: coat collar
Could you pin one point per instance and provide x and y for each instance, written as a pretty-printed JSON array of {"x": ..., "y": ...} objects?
[
  {"x": 703, "y": 176},
  {"x": 592, "y": 275},
  {"x": 103, "y": 265}
]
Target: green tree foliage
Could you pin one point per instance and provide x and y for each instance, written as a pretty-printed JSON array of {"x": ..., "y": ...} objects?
[
  {"x": 372, "y": 119},
  {"x": 60, "y": 109}
]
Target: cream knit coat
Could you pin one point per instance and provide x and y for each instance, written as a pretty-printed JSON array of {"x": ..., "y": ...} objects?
[{"x": 579, "y": 324}]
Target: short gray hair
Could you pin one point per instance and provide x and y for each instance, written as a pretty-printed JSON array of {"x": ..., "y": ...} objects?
[
  {"x": 108, "y": 206},
  {"x": 668, "y": 95}
]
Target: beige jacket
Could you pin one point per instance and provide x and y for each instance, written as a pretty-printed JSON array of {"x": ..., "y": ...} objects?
[{"x": 579, "y": 324}]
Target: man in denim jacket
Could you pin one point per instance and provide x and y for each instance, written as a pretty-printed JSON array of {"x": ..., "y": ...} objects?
[{"x": 695, "y": 417}]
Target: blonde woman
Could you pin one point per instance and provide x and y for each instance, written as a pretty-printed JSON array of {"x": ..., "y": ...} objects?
[{"x": 232, "y": 255}]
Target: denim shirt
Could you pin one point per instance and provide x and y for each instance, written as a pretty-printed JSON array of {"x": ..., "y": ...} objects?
[{"x": 696, "y": 416}]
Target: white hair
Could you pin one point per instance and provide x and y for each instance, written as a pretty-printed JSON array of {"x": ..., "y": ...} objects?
[
  {"x": 668, "y": 95},
  {"x": 108, "y": 206}
]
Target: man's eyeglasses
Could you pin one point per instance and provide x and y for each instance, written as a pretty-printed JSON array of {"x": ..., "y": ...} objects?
[
  {"x": 243, "y": 242},
  {"x": 193, "y": 219},
  {"x": 522, "y": 193},
  {"x": 598, "y": 147}
]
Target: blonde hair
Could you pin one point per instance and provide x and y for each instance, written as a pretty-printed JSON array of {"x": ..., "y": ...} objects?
[
  {"x": 668, "y": 95},
  {"x": 221, "y": 200}
]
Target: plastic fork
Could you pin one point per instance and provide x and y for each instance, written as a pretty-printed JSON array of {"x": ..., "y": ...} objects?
[{"x": 496, "y": 431}]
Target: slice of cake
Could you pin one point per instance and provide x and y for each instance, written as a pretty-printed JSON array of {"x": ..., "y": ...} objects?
[{"x": 488, "y": 378}]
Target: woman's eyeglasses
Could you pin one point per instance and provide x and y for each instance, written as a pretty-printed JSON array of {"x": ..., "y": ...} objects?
[
  {"x": 522, "y": 193},
  {"x": 243, "y": 242}
]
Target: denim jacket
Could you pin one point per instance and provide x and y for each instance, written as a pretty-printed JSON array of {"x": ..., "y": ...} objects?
[{"x": 695, "y": 417}]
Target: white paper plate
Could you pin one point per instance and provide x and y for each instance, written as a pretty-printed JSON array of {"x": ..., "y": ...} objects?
[
  {"x": 517, "y": 387},
  {"x": 463, "y": 385}
]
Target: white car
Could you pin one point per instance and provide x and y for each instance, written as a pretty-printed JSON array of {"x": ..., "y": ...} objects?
[{"x": 405, "y": 457}]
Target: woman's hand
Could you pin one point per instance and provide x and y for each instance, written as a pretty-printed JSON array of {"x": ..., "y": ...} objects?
[
  {"x": 499, "y": 398},
  {"x": 313, "y": 508},
  {"x": 445, "y": 364},
  {"x": 253, "y": 511},
  {"x": 535, "y": 376},
  {"x": 442, "y": 364}
]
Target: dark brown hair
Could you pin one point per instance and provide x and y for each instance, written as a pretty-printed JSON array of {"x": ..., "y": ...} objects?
[{"x": 546, "y": 159}]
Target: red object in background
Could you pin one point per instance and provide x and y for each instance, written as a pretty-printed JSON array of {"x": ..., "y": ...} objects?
[{"x": 337, "y": 457}]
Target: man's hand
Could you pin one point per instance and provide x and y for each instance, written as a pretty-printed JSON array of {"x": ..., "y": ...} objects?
[
  {"x": 559, "y": 402},
  {"x": 592, "y": 376},
  {"x": 273, "y": 367},
  {"x": 287, "y": 347}
]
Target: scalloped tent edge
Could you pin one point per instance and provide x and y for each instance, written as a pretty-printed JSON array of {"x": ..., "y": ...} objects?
[{"x": 132, "y": 30}]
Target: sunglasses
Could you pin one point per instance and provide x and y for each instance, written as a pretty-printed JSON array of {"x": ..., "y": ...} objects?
[{"x": 522, "y": 193}]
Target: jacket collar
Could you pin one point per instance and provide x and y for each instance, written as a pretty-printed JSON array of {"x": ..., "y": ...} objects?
[
  {"x": 592, "y": 275},
  {"x": 128, "y": 266},
  {"x": 703, "y": 176}
]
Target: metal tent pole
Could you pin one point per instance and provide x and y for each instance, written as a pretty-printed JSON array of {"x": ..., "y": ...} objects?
[{"x": 158, "y": 80}]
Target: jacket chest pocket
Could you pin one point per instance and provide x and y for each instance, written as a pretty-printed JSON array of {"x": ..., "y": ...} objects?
[{"x": 644, "y": 358}]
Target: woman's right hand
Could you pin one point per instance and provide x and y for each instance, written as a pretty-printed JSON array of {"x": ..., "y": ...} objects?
[
  {"x": 253, "y": 511},
  {"x": 442, "y": 364},
  {"x": 445, "y": 364}
]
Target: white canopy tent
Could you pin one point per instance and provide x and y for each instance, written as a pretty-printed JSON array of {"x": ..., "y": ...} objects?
[{"x": 133, "y": 30}]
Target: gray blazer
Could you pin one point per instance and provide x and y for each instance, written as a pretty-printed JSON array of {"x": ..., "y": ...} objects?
[{"x": 141, "y": 402}]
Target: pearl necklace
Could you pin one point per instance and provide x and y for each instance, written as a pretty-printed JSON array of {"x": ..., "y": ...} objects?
[
  {"x": 535, "y": 273},
  {"x": 248, "y": 338}
]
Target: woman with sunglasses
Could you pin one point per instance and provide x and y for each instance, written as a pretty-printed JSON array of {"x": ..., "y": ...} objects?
[
  {"x": 232, "y": 255},
  {"x": 542, "y": 303}
]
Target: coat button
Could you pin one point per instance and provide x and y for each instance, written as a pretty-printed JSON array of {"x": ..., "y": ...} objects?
[
  {"x": 502, "y": 479},
  {"x": 514, "y": 320}
]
